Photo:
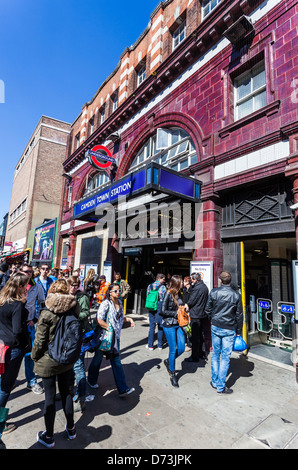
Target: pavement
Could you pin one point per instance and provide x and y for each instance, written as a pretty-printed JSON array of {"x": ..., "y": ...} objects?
[{"x": 261, "y": 413}]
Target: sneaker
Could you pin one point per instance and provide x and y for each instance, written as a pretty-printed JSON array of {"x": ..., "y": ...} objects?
[
  {"x": 149, "y": 348},
  {"x": 226, "y": 390},
  {"x": 213, "y": 386},
  {"x": 45, "y": 440},
  {"x": 160, "y": 349},
  {"x": 71, "y": 433},
  {"x": 128, "y": 392},
  {"x": 35, "y": 388},
  {"x": 92, "y": 386},
  {"x": 9, "y": 428}
]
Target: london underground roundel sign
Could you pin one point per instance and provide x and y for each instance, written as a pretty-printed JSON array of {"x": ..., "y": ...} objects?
[{"x": 100, "y": 157}]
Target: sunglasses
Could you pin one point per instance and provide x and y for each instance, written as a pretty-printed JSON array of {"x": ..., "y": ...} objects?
[
  {"x": 27, "y": 271},
  {"x": 45, "y": 269},
  {"x": 116, "y": 291},
  {"x": 74, "y": 285}
]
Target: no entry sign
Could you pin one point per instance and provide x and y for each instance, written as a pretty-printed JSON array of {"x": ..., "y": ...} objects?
[{"x": 100, "y": 157}]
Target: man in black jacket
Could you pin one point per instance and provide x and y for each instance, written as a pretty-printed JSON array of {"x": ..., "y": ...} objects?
[
  {"x": 224, "y": 307},
  {"x": 196, "y": 305}
]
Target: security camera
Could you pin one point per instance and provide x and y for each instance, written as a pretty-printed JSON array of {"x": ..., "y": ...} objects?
[{"x": 294, "y": 207}]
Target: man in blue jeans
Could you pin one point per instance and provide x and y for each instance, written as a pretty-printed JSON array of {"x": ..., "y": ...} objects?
[
  {"x": 224, "y": 308},
  {"x": 154, "y": 317}
]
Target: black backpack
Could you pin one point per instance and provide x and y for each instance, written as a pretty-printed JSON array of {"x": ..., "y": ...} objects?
[{"x": 66, "y": 345}]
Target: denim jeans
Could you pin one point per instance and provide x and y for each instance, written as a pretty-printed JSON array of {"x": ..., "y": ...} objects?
[
  {"x": 176, "y": 341},
  {"x": 117, "y": 369},
  {"x": 28, "y": 362},
  {"x": 155, "y": 319},
  {"x": 222, "y": 342},
  {"x": 79, "y": 370},
  {"x": 13, "y": 361}
]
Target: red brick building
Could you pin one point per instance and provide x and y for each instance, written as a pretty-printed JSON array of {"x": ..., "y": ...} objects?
[{"x": 210, "y": 92}]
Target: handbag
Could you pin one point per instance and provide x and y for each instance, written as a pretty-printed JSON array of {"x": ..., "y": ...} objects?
[
  {"x": 183, "y": 317},
  {"x": 239, "y": 344},
  {"x": 107, "y": 338}
]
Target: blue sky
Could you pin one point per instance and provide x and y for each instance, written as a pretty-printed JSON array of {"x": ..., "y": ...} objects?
[{"x": 54, "y": 55}]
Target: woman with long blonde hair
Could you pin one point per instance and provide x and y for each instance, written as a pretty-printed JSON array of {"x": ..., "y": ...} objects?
[
  {"x": 171, "y": 328},
  {"x": 89, "y": 285},
  {"x": 14, "y": 340}
]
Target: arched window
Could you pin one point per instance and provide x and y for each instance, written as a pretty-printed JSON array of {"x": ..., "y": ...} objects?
[
  {"x": 95, "y": 182},
  {"x": 171, "y": 147}
]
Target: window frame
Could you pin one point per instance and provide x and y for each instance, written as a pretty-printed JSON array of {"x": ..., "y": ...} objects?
[
  {"x": 176, "y": 35},
  {"x": 253, "y": 93},
  {"x": 204, "y": 4}
]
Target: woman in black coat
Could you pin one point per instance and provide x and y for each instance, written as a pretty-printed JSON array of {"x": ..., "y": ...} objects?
[
  {"x": 14, "y": 339},
  {"x": 171, "y": 328}
]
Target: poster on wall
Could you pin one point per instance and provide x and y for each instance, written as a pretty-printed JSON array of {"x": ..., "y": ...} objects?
[
  {"x": 91, "y": 266},
  {"x": 44, "y": 242},
  {"x": 205, "y": 269}
]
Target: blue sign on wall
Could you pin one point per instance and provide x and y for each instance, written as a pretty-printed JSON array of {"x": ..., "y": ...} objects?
[{"x": 153, "y": 176}]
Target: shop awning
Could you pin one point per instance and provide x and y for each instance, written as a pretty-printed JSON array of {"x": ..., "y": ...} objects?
[
  {"x": 22, "y": 256},
  {"x": 152, "y": 177}
]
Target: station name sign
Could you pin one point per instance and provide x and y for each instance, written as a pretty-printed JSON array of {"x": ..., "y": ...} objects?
[{"x": 151, "y": 177}]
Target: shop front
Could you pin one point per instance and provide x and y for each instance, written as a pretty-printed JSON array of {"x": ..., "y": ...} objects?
[{"x": 148, "y": 218}]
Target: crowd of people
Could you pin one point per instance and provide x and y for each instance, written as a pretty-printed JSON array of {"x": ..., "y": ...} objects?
[{"x": 33, "y": 303}]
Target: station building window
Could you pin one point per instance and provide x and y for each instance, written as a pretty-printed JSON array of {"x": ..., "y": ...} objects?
[
  {"x": 179, "y": 35},
  {"x": 171, "y": 147},
  {"x": 250, "y": 91},
  {"x": 95, "y": 182},
  {"x": 208, "y": 6}
]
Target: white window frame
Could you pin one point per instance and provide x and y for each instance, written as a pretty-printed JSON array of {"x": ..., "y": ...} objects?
[
  {"x": 102, "y": 116},
  {"x": 208, "y": 6},
  {"x": 252, "y": 94},
  {"x": 115, "y": 102},
  {"x": 141, "y": 75},
  {"x": 179, "y": 35}
]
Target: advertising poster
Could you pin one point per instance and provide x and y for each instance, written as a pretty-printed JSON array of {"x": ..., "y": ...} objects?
[{"x": 44, "y": 240}]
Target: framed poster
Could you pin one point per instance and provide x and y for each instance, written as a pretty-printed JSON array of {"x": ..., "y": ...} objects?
[
  {"x": 44, "y": 242},
  {"x": 205, "y": 269}
]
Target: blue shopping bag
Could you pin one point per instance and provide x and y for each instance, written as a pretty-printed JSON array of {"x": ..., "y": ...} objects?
[{"x": 239, "y": 344}]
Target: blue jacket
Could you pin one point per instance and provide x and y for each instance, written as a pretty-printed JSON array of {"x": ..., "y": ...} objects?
[{"x": 35, "y": 300}]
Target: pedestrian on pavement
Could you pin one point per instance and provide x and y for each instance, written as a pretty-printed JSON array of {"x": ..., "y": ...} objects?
[
  {"x": 186, "y": 290},
  {"x": 84, "y": 316},
  {"x": 54, "y": 274},
  {"x": 14, "y": 341},
  {"x": 112, "y": 308},
  {"x": 44, "y": 279},
  {"x": 173, "y": 332},
  {"x": 35, "y": 300},
  {"x": 124, "y": 286},
  {"x": 58, "y": 302},
  {"x": 224, "y": 307},
  {"x": 154, "y": 316},
  {"x": 89, "y": 285},
  {"x": 196, "y": 308},
  {"x": 102, "y": 291}
]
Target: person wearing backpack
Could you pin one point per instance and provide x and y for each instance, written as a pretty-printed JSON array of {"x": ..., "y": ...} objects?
[
  {"x": 79, "y": 366},
  {"x": 59, "y": 305},
  {"x": 155, "y": 295}
]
